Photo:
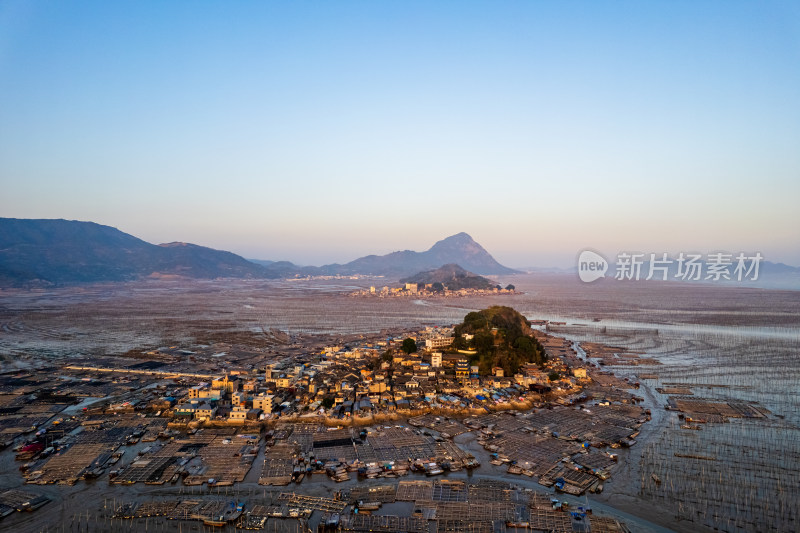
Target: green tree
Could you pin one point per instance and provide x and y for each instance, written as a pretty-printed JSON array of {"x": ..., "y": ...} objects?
[
  {"x": 475, "y": 320},
  {"x": 483, "y": 342},
  {"x": 327, "y": 402},
  {"x": 485, "y": 366},
  {"x": 511, "y": 333},
  {"x": 526, "y": 347},
  {"x": 437, "y": 287},
  {"x": 409, "y": 345},
  {"x": 510, "y": 287},
  {"x": 553, "y": 376},
  {"x": 460, "y": 343},
  {"x": 510, "y": 364}
]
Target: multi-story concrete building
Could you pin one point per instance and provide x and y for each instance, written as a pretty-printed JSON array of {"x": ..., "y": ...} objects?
[
  {"x": 438, "y": 342},
  {"x": 263, "y": 402}
]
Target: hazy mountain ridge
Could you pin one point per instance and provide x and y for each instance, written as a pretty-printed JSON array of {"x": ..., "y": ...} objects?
[
  {"x": 458, "y": 249},
  {"x": 770, "y": 275},
  {"x": 44, "y": 252},
  {"x": 55, "y": 252}
]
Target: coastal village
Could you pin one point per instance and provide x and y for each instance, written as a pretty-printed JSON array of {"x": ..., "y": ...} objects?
[
  {"x": 363, "y": 410},
  {"x": 428, "y": 290},
  {"x": 447, "y": 281}
]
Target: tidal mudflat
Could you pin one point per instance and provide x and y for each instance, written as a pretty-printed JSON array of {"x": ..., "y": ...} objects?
[{"x": 724, "y": 455}]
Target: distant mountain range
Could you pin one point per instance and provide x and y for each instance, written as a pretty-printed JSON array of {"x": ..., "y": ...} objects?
[
  {"x": 56, "y": 252},
  {"x": 770, "y": 275},
  {"x": 452, "y": 277},
  {"x": 460, "y": 249}
]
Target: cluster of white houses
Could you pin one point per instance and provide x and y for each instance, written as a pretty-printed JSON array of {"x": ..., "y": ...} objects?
[{"x": 427, "y": 289}]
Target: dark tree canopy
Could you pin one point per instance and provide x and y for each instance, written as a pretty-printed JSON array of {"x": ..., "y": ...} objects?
[
  {"x": 483, "y": 342},
  {"x": 409, "y": 346},
  {"x": 460, "y": 343}
]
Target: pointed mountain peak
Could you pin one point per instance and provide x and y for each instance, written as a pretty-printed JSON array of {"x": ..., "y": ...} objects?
[
  {"x": 462, "y": 249},
  {"x": 460, "y": 241},
  {"x": 457, "y": 238}
]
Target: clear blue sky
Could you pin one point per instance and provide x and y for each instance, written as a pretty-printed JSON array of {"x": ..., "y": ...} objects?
[{"x": 322, "y": 131}]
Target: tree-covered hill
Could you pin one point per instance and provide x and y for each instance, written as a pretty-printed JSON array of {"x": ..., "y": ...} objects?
[
  {"x": 452, "y": 277},
  {"x": 502, "y": 338}
]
